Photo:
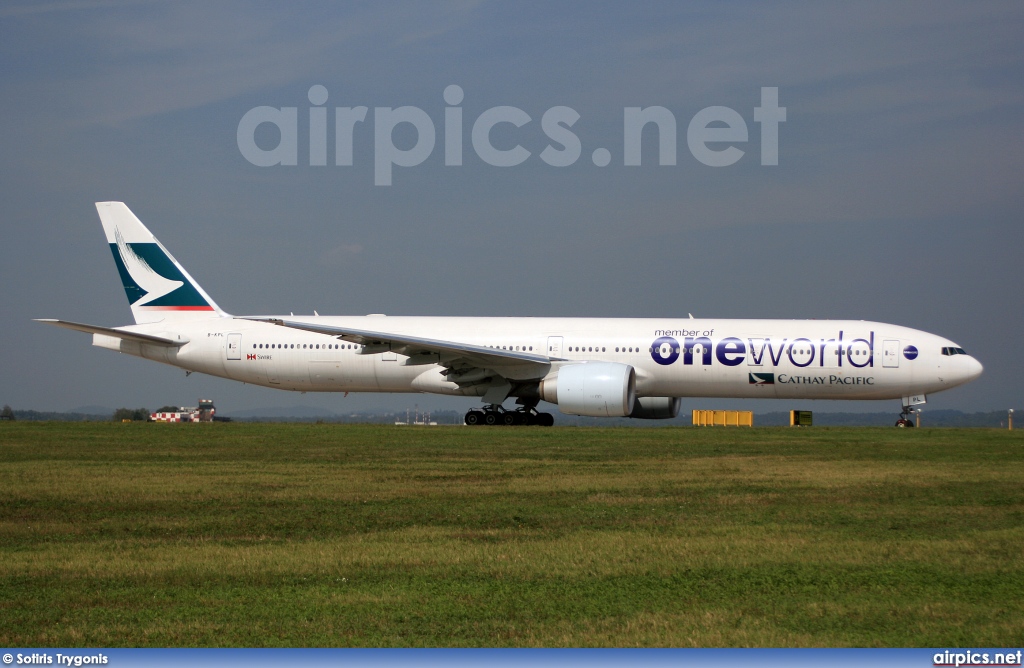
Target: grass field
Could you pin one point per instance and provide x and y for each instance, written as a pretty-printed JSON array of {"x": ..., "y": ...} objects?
[{"x": 331, "y": 535}]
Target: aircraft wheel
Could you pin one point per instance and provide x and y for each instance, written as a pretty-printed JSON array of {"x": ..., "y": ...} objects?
[
  {"x": 491, "y": 418},
  {"x": 509, "y": 419},
  {"x": 546, "y": 419},
  {"x": 473, "y": 418},
  {"x": 901, "y": 423}
]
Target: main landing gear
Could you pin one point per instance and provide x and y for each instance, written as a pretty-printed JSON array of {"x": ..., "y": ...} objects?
[
  {"x": 905, "y": 420},
  {"x": 495, "y": 414}
]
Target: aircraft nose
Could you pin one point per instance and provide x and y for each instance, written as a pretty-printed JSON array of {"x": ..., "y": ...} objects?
[{"x": 974, "y": 368}]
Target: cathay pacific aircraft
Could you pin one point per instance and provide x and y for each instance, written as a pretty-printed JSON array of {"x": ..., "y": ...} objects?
[{"x": 606, "y": 367}]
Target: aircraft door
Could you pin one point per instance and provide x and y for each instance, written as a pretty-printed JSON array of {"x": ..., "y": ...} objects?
[
  {"x": 832, "y": 355},
  {"x": 233, "y": 347},
  {"x": 755, "y": 350},
  {"x": 554, "y": 346},
  {"x": 890, "y": 353},
  {"x": 271, "y": 366}
]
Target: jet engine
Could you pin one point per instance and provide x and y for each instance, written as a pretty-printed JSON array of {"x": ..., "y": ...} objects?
[
  {"x": 596, "y": 389},
  {"x": 656, "y": 408}
]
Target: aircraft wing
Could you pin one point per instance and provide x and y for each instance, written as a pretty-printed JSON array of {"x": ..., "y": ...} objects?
[
  {"x": 451, "y": 354},
  {"x": 116, "y": 333}
]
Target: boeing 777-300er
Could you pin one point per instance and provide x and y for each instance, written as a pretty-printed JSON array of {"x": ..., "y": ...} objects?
[{"x": 605, "y": 367}]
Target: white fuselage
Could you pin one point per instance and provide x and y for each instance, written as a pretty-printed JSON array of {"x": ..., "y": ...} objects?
[
  {"x": 587, "y": 366},
  {"x": 796, "y": 359}
]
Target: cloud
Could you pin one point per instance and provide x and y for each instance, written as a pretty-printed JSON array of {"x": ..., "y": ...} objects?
[
  {"x": 149, "y": 59},
  {"x": 15, "y": 10},
  {"x": 339, "y": 254}
]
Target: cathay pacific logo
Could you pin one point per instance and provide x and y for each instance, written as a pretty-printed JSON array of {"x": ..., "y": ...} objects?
[
  {"x": 761, "y": 378},
  {"x": 151, "y": 279},
  {"x": 153, "y": 285}
]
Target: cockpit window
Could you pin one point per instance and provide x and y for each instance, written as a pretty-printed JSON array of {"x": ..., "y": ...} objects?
[{"x": 950, "y": 350}]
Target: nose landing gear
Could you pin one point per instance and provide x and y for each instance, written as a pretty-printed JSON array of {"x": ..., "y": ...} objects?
[{"x": 905, "y": 420}]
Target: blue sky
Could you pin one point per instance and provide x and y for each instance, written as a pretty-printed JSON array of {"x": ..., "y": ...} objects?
[{"x": 897, "y": 196}]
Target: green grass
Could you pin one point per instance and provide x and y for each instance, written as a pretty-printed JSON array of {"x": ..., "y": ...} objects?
[{"x": 338, "y": 535}]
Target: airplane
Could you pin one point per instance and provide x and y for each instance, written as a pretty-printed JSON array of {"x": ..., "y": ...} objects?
[{"x": 603, "y": 367}]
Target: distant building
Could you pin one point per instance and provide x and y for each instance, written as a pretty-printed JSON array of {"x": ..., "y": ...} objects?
[{"x": 202, "y": 413}]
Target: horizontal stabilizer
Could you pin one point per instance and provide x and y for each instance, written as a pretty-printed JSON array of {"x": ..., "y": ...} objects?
[{"x": 117, "y": 333}]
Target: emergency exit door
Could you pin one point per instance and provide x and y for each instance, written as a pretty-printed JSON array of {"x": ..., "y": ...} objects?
[
  {"x": 891, "y": 353},
  {"x": 554, "y": 346},
  {"x": 234, "y": 346}
]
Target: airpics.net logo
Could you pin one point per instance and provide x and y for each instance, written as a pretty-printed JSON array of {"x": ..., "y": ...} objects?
[
  {"x": 959, "y": 658},
  {"x": 713, "y": 134}
]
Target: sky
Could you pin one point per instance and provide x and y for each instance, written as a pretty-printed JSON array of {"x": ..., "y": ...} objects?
[{"x": 897, "y": 196}]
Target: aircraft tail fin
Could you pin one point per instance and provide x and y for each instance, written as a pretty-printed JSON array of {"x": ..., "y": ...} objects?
[{"x": 158, "y": 287}]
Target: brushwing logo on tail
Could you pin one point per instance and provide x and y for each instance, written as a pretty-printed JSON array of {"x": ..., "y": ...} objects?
[
  {"x": 151, "y": 279},
  {"x": 762, "y": 378},
  {"x": 153, "y": 285}
]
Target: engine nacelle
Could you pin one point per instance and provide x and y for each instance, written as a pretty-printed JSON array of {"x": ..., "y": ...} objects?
[
  {"x": 656, "y": 408},
  {"x": 596, "y": 389}
]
